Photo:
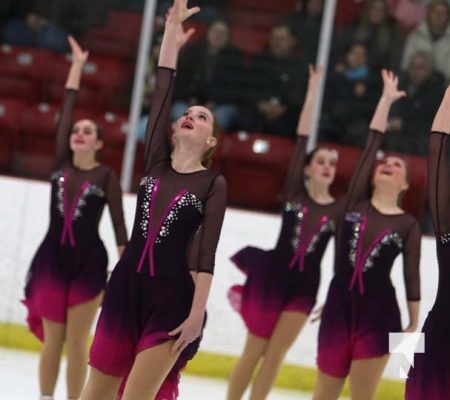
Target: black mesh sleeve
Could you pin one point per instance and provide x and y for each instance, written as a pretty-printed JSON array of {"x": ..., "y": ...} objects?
[
  {"x": 438, "y": 182},
  {"x": 63, "y": 152},
  {"x": 295, "y": 180},
  {"x": 157, "y": 145}
]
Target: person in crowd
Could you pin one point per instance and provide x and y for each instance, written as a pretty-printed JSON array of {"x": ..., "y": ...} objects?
[
  {"x": 411, "y": 116},
  {"x": 275, "y": 79},
  {"x": 211, "y": 73},
  {"x": 432, "y": 36}
]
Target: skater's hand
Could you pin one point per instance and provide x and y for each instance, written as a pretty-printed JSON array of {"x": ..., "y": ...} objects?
[
  {"x": 79, "y": 56},
  {"x": 188, "y": 331},
  {"x": 317, "y": 314}
]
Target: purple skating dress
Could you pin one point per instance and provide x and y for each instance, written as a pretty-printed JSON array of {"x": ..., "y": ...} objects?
[
  {"x": 361, "y": 307},
  {"x": 176, "y": 229},
  {"x": 286, "y": 278},
  {"x": 430, "y": 377},
  {"x": 70, "y": 265}
]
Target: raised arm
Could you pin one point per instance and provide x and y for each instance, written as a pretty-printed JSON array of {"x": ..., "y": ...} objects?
[
  {"x": 411, "y": 274},
  {"x": 359, "y": 188},
  {"x": 438, "y": 171},
  {"x": 157, "y": 144},
  {"x": 79, "y": 58},
  {"x": 295, "y": 181}
]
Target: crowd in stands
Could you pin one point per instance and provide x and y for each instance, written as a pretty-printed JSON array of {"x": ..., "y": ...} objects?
[
  {"x": 249, "y": 60},
  {"x": 263, "y": 90}
]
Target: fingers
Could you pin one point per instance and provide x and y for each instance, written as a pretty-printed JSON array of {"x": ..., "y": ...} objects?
[
  {"x": 189, "y": 33},
  {"x": 192, "y": 11},
  {"x": 179, "y": 346},
  {"x": 175, "y": 332}
]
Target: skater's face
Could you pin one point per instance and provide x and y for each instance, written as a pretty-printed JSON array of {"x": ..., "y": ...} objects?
[
  {"x": 196, "y": 129},
  {"x": 322, "y": 167},
  {"x": 392, "y": 171},
  {"x": 85, "y": 137}
]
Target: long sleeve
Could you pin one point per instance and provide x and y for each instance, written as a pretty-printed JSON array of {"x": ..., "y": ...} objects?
[
  {"x": 438, "y": 182},
  {"x": 63, "y": 152},
  {"x": 359, "y": 188},
  {"x": 114, "y": 199},
  {"x": 157, "y": 145},
  {"x": 211, "y": 226},
  {"x": 295, "y": 180},
  {"x": 411, "y": 263}
]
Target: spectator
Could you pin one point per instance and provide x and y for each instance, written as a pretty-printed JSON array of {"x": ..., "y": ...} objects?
[
  {"x": 275, "y": 86},
  {"x": 306, "y": 24},
  {"x": 379, "y": 32},
  {"x": 48, "y": 22},
  {"x": 350, "y": 97},
  {"x": 411, "y": 117},
  {"x": 432, "y": 36},
  {"x": 10, "y": 9},
  {"x": 210, "y": 73},
  {"x": 408, "y": 13}
]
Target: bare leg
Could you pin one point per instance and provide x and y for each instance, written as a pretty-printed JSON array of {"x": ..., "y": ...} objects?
[
  {"x": 327, "y": 387},
  {"x": 286, "y": 331},
  {"x": 50, "y": 356},
  {"x": 365, "y": 376},
  {"x": 254, "y": 349},
  {"x": 150, "y": 368},
  {"x": 101, "y": 386},
  {"x": 79, "y": 322}
]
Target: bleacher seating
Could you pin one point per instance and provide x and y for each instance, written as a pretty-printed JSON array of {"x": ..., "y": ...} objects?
[{"x": 10, "y": 114}]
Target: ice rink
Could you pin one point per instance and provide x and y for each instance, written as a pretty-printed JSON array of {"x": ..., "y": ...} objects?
[{"x": 18, "y": 378}]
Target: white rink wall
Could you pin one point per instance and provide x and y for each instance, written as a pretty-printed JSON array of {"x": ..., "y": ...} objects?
[{"x": 24, "y": 215}]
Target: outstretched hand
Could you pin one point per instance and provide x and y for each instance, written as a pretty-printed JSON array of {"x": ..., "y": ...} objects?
[
  {"x": 177, "y": 14},
  {"x": 390, "y": 83},
  {"x": 79, "y": 55}
]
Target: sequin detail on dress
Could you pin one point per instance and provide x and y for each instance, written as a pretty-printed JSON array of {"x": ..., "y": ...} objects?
[
  {"x": 363, "y": 262},
  {"x": 86, "y": 190},
  {"x": 300, "y": 212},
  {"x": 72, "y": 212},
  {"x": 185, "y": 200},
  {"x": 149, "y": 183},
  {"x": 445, "y": 238},
  {"x": 302, "y": 245}
]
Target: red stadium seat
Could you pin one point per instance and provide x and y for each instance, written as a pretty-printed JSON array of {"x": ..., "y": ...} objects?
[
  {"x": 25, "y": 62},
  {"x": 20, "y": 88},
  {"x": 114, "y": 128},
  {"x": 10, "y": 115},
  {"x": 88, "y": 97},
  {"x": 255, "y": 167},
  {"x": 23, "y": 72},
  {"x": 101, "y": 78},
  {"x": 278, "y": 7},
  {"x": 118, "y": 38}
]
